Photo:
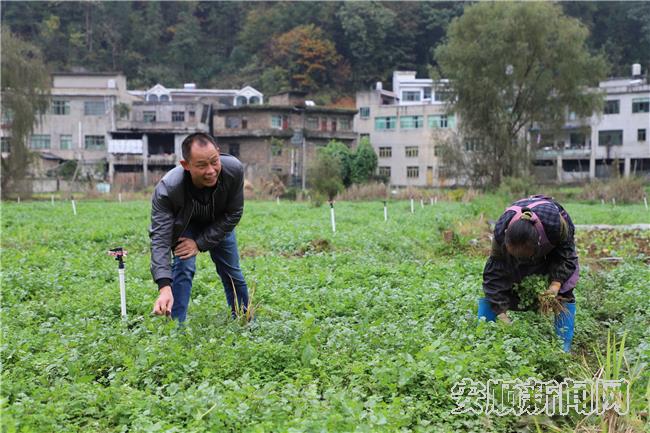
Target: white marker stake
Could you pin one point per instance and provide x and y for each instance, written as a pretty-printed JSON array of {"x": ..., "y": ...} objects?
[
  {"x": 412, "y": 208},
  {"x": 52, "y": 199},
  {"x": 74, "y": 207},
  {"x": 422, "y": 203},
  {"x": 613, "y": 201},
  {"x": 18, "y": 199},
  {"x": 277, "y": 200},
  {"x": 602, "y": 201},
  {"x": 122, "y": 292},
  {"x": 431, "y": 201},
  {"x": 645, "y": 202},
  {"x": 332, "y": 217},
  {"x": 385, "y": 212},
  {"x": 119, "y": 197}
]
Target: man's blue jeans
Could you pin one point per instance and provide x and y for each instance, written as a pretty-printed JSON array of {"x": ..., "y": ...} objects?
[{"x": 226, "y": 259}]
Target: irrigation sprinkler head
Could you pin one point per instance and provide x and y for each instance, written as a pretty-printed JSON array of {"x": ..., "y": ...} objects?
[{"x": 119, "y": 253}]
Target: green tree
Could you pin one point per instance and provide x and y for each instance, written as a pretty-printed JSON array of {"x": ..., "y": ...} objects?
[
  {"x": 25, "y": 96},
  {"x": 365, "y": 162},
  {"x": 345, "y": 159},
  {"x": 512, "y": 64},
  {"x": 325, "y": 174}
]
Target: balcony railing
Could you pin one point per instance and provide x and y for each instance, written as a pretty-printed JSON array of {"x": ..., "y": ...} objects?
[{"x": 553, "y": 153}]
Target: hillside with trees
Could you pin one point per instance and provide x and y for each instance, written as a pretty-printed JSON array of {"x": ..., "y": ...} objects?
[{"x": 327, "y": 48}]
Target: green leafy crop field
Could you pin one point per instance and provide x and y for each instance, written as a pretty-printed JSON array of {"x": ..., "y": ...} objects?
[{"x": 365, "y": 330}]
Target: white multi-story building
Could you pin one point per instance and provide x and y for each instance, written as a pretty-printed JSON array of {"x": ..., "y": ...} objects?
[
  {"x": 405, "y": 127},
  {"x": 600, "y": 146}
]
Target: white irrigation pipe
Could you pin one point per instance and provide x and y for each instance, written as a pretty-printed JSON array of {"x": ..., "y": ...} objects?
[
  {"x": 52, "y": 199},
  {"x": 119, "y": 197},
  {"x": 422, "y": 203},
  {"x": 277, "y": 200},
  {"x": 436, "y": 200},
  {"x": 412, "y": 208},
  {"x": 602, "y": 201},
  {"x": 645, "y": 202},
  {"x": 613, "y": 201},
  {"x": 18, "y": 199},
  {"x": 333, "y": 218},
  {"x": 385, "y": 212},
  {"x": 74, "y": 207},
  {"x": 120, "y": 272},
  {"x": 431, "y": 201}
]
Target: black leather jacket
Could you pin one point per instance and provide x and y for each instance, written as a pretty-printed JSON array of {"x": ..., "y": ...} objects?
[{"x": 171, "y": 211}]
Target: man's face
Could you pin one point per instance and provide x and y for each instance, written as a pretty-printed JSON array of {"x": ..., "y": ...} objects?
[{"x": 204, "y": 165}]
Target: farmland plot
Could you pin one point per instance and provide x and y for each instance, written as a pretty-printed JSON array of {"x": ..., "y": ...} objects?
[{"x": 367, "y": 329}]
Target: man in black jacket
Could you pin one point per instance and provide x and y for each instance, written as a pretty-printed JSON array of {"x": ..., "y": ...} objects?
[
  {"x": 534, "y": 235},
  {"x": 195, "y": 208}
]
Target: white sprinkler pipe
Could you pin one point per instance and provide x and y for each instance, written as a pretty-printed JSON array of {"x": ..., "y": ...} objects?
[
  {"x": 412, "y": 208},
  {"x": 385, "y": 212},
  {"x": 122, "y": 291},
  {"x": 74, "y": 207},
  {"x": 333, "y": 218}
]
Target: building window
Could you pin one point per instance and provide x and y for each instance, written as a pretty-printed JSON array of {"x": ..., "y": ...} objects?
[
  {"x": 364, "y": 112},
  {"x": 427, "y": 93},
  {"x": 323, "y": 124},
  {"x": 39, "y": 141},
  {"x": 312, "y": 123},
  {"x": 472, "y": 144},
  {"x": 385, "y": 152},
  {"x": 385, "y": 123},
  {"x": 7, "y": 116},
  {"x": 577, "y": 140},
  {"x": 334, "y": 124},
  {"x": 344, "y": 124},
  {"x": 60, "y": 107},
  {"x": 255, "y": 100},
  {"x": 233, "y": 122},
  {"x": 610, "y": 138},
  {"x": 279, "y": 122},
  {"x": 94, "y": 108},
  {"x": 641, "y": 105},
  {"x": 612, "y": 107},
  {"x": 178, "y": 116},
  {"x": 164, "y": 98},
  {"x": 5, "y": 147},
  {"x": 411, "y": 122},
  {"x": 412, "y": 172},
  {"x": 94, "y": 142},
  {"x": 241, "y": 100},
  {"x": 384, "y": 171},
  {"x": 149, "y": 116},
  {"x": 192, "y": 115},
  {"x": 411, "y": 151},
  {"x": 233, "y": 149},
  {"x": 410, "y": 95},
  {"x": 442, "y": 121},
  {"x": 244, "y": 123},
  {"x": 65, "y": 141},
  {"x": 366, "y": 136},
  {"x": 640, "y": 134},
  {"x": 442, "y": 95}
]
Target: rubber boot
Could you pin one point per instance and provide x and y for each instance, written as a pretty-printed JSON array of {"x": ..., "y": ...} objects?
[
  {"x": 565, "y": 324},
  {"x": 485, "y": 310}
]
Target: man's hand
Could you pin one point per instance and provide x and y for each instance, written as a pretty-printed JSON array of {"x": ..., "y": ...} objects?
[
  {"x": 186, "y": 248},
  {"x": 164, "y": 303},
  {"x": 553, "y": 289},
  {"x": 504, "y": 318}
]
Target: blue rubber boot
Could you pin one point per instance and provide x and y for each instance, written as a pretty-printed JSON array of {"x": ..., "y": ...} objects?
[
  {"x": 565, "y": 324},
  {"x": 485, "y": 310}
]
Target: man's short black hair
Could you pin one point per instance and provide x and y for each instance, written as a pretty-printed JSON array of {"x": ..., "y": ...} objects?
[{"x": 201, "y": 138}]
